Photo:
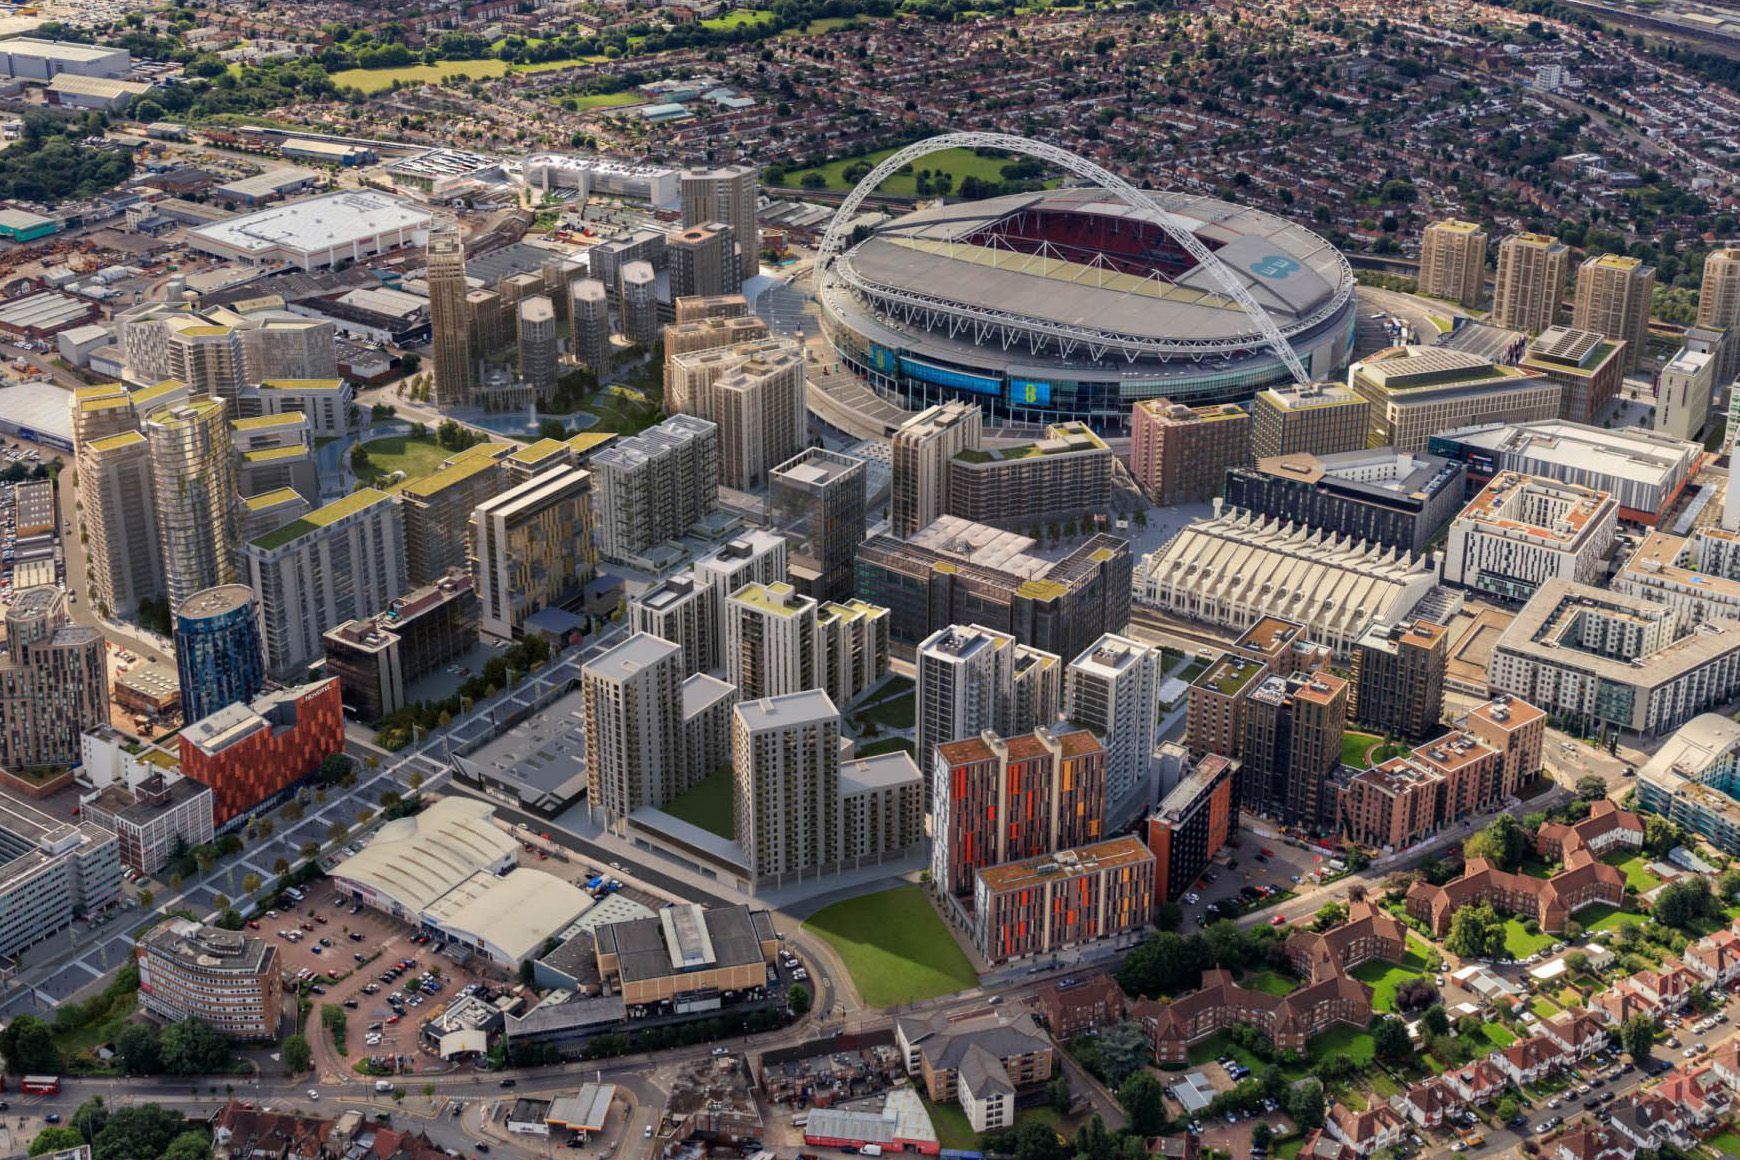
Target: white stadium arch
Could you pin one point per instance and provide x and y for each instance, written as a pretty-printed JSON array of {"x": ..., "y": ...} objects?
[{"x": 834, "y": 240}]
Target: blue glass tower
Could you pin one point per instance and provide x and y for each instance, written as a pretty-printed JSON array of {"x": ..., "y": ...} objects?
[{"x": 217, "y": 650}]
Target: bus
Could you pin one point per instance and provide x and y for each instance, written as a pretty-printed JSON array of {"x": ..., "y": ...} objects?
[{"x": 40, "y": 1085}]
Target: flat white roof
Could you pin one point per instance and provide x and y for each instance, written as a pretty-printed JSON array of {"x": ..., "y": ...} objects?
[
  {"x": 316, "y": 223},
  {"x": 515, "y": 912},
  {"x": 418, "y": 860}
]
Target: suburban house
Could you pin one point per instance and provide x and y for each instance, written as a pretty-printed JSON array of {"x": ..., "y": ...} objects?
[
  {"x": 1426, "y": 1102},
  {"x": 1578, "y": 1033},
  {"x": 1365, "y": 1132}
]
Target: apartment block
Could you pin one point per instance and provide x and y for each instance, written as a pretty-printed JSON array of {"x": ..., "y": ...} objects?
[
  {"x": 253, "y": 755},
  {"x": 219, "y": 655},
  {"x": 1530, "y": 283},
  {"x": 881, "y": 809},
  {"x": 703, "y": 261},
  {"x": 632, "y": 698},
  {"x": 376, "y": 658},
  {"x": 972, "y": 679},
  {"x": 771, "y": 641},
  {"x": 1070, "y": 898},
  {"x": 54, "y": 682},
  {"x": 155, "y": 816},
  {"x": 921, "y": 450},
  {"x": 785, "y": 755},
  {"x": 997, "y": 800},
  {"x": 726, "y": 194},
  {"x": 1398, "y": 678},
  {"x": 54, "y": 872},
  {"x": 194, "y": 493},
  {"x": 817, "y": 501},
  {"x": 1522, "y": 530},
  {"x": 1399, "y": 499},
  {"x": 1214, "y": 713},
  {"x": 1614, "y": 296},
  {"x": 227, "y": 978},
  {"x": 1064, "y": 476},
  {"x": 1683, "y": 394},
  {"x": 533, "y": 548},
  {"x": 653, "y": 487},
  {"x": 337, "y": 563},
  {"x": 1453, "y": 262},
  {"x": 1180, "y": 454},
  {"x": 1589, "y": 366},
  {"x": 436, "y": 510},
  {"x": 1292, "y": 743},
  {"x": 1417, "y": 391},
  {"x": 1192, "y": 824},
  {"x": 1113, "y": 690},
  {"x": 1315, "y": 419}
]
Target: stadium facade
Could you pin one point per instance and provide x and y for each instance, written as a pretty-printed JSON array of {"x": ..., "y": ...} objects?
[{"x": 1075, "y": 303}]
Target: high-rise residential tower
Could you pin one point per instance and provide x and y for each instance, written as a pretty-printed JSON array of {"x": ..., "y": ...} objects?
[
  {"x": 1317, "y": 419},
  {"x": 218, "y": 652},
  {"x": 759, "y": 406},
  {"x": 589, "y": 315},
  {"x": 816, "y": 500},
  {"x": 1113, "y": 690},
  {"x": 727, "y": 194},
  {"x": 1398, "y": 678},
  {"x": 639, "y": 291},
  {"x": 972, "y": 679},
  {"x": 532, "y": 548},
  {"x": 703, "y": 262},
  {"x": 1719, "y": 295},
  {"x": 1453, "y": 262},
  {"x": 193, "y": 471},
  {"x": 785, "y": 757},
  {"x": 1614, "y": 296},
  {"x": 124, "y": 558},
  {"x": 654, "y": 486},
  {"x": 449, "y": 318},
  {"x": 1531, "y": 282},
  {"x": 632, "y": 701},
  {"x": 538, "y": 366},
  {"x": 771, "y": 646},
  {"x": 921, "y": 450}
]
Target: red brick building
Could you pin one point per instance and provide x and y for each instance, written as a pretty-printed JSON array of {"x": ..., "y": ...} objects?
[{"x": 253, "y": 754}]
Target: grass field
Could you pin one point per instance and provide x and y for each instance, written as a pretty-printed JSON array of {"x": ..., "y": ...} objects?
[
  {"x": 1353, "y": 1042},
  {"x": 1355, "y": 746},
  {"x": 1725, "y": 1144},
  {"x": 895, "y": 946},
  {"x": 894, "y": 712},
  {"x": 1270, "y": 983},
  {"x": 1636, "y": 869},
  {"x": 1496, "y": 1034},
  {"x": 1291, "y": 1149},
  {"x": 952, "y": 1128},
  {"x": 415, "y": 457},
  {"x": 708, "y": 804},
  {"x": 375, "y": 80},
  {"x": 1604, "y": 917},
  {"x": 740, "y": 18},
  {"x": 886, "y": 745},
  {"x": 822, "y": 24},
  {"x": 1519, "y": 943},
  {"x": 539, "y": 66},
  {"x": 606, "y": 100},
  {"x": 1384, "y": 978},
  {"x": 959, "y": 163},
  {"x": 1217, "y": 1045}
]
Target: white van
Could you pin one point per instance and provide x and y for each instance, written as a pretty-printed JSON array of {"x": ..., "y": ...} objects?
[{"x": 382, "y": 1085}]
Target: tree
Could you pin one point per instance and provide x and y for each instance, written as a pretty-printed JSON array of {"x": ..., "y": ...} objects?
[
  {"x": 1436, "y": 1020},
  {"x": 1476, "y": 932},
  {"x": 1637, "y": 1036},
  {"x": 1329, "y": 916},
  {"x": 56, "y": 1139},
  {"x": 798, "y": 998},
  {"x": 1390, "y": 1038},
  {"x": 333, "y": 767},
  {"x": 1591, "y": 787},
  {"x": 1508, "y": 1109},
  {"x": 190, "y": 1145},
  {"x": 193, "y": 1047},
  {"x": 1661, "y": 835},
  {"x": 1305, "y": 1103},
  {"x": 1168, "y": 916},
  {"x": 1261, "y": 1134},
  {"x": 1416, "y": 994},
  {"x": 138, "y": 1133},
  {"x": 1143, "y": 1101},
  {"x": 297, "y": 1054},
  {"x": 1577, "y": 963},
  {"x": 1685, "y": 902},
  {"x": 139, "y": 1048},
  {"x": 90, "y": 1118},
  {"x": 1058, "y": 1092},
  {"x": 27, "y": 1044},
  {"x": 1124, "y": 1049},
  {"x": 250, "y": 883},
  {"x": 1503, "y": 842},
  {"x": 1728, "y": 885}
]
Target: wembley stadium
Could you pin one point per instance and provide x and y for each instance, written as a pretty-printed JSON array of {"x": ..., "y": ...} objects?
[{"x": 1074, "y": 303}]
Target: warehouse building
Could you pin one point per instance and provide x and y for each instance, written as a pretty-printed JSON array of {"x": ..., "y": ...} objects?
[
  {"x": 318, "y": 232},
  {"x": 30, "y": 59},
  {"x": 687, "y": 955}
]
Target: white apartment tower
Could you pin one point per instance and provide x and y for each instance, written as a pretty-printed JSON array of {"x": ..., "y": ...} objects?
[
  {"x": 771, "y": 642},
  {"x": 1113, "y": 690},
  {"x": 785, "y": 754},
  {"x": 632, "y": 701}
]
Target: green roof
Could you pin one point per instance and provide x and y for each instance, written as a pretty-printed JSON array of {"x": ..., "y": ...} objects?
[
  {"x": 114, "y": 442},
  {"x": 302, "y": 385},
  {"x": 271, "y": 499},
  {"x": 443, "y": 478},
  {"x": 539, "y": 451},
  {"x": 1228, "y": 675},
  {"x": 266, "y": 422},
  {"x": 272, "y": 454},
  {"x": 323, "y": 517}
]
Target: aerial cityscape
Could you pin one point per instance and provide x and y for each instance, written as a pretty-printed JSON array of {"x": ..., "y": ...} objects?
[{"x": 688, "y": 579}]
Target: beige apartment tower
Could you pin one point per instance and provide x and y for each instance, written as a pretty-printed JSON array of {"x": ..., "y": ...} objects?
[
  {"x": 1453, "y": 262},
  {"x": 193, "y": 471},
  {"x": 1614, "y": 295},
  {"x": 759, "y": 406},
  {"x": 449, "y": 318},
  {"x": 113, "y": 461},
  {"x": 1531, "y": 282},
  {"x": 727, "y": 194},
  {"x": 632, "y": 704},
  {"x": 922, "y": 449},
  {"x": 532, "y": 548},
  {"x": 1719, "y": 296},
  {"x": 538, "y": 365},
  {"x": 1315, "y": 419}
]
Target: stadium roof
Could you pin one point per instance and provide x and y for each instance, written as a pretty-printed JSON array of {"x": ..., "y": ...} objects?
[{"x": 1292, "y": 273}]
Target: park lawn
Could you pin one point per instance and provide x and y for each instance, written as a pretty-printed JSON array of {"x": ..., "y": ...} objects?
[
  {"x": 822, "y": 24},
  {"x": 960, "y": 163},
  {"x": 895, "y": 946},
  {"x": 708, "y": 804},
  {"x": 886, "y": 745},
  {"x": 1519, "y": 944},
  {"x": 1385, "y": 977},
  {"x": 1219, "y": 1044},
  {"x": 740, "y": 18},
  {"x": 1353, "y": 1042},
  {"x": 1604, "y": 917},
  {"x": 1355, "y": 747},
  {"x": 407, "y": 453},
  {"x": 376, "y": 80},
  {"x": 1636, "y": 869},
  {"x": 1269, "y": 983},
  {"x": 952, "y": 1128},
  {"x": 538, "y": 66},
  {"x": 607, "y": 100}
]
